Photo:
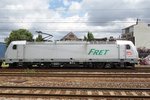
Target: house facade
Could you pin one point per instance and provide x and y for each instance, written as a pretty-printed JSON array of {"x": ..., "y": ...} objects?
[{"x": 138, "y": 33}]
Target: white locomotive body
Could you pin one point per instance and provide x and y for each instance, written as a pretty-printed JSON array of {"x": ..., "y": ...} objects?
[{"x": 106, "y": 54}]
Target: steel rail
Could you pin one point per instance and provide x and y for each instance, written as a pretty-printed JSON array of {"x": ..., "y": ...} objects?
[
  {"x": 74, "y": 88},
  {"x": 74, "y": 95},
  {"x": 139, "y": 69},
  {"x": 120, "y": 75},
  {"x": 77, "y": 96}
]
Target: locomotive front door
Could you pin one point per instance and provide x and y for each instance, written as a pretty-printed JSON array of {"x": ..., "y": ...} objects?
[{"x": 20, "y": 52}]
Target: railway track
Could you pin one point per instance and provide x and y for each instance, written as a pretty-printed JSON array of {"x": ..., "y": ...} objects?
[
  {"x": 84, "y": 74},
  {"x": 136, "y": 70},
  {"x": 74, "y": 92}
]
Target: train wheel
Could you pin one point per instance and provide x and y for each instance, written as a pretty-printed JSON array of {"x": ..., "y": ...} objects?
[
  {"x": 122, "y": 65},
  {"x": 0, "y": 64},
  {"x": 132, "y": 66},
  {"x": 13, "y": 65},
  {"x": 88, "y": 65},
  {"x": 101, "y": 65},
  {"x": 108, "y": 65}
]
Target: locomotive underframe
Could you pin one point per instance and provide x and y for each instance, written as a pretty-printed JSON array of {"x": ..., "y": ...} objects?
[{"x": 93, "y": 63}]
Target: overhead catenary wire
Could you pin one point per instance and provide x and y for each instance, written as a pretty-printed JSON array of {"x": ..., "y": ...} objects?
[
  {"x": 66, "y": 22},
  {"x": 70, "y": 20},
  {"x": 54, "y": 30},
  {"x": 89, "y": 9},
  {"x": 59, "y": 21},
  {"x": 6, "y": 20}
]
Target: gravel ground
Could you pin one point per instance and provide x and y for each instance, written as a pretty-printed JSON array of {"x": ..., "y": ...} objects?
[
  {"x": 76, "y": 82},
  {"x": 36, "y": 98},
  {"x": 72, "y": 82},
  {"x": 58, "y": 98}
]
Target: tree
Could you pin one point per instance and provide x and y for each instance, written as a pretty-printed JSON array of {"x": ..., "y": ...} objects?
[
  {"x": 89, "y": 37},
  {"x": 39, "y": 38},
  {"x": 20, "y": 34},
  {"x": 85, "y": 38}
]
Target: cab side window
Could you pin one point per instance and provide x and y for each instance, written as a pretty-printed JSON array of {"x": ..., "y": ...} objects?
[
  {"x": 14, "y": 47},
  {"x": 128, "y": 47}
]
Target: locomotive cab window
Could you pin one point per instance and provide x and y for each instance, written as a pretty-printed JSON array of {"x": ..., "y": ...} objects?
[
  {"x": 128, "y": 47},
  {"x": 14, "y": 47}
]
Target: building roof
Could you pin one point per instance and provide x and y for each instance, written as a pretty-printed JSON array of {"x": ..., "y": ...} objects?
[
  {"x": 138, "y": 20},
  {"x": 70, "y": 36},
  {"x": 129, "y": 26}
]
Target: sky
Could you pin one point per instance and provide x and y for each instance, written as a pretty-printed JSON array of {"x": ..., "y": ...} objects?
[{"x": 104, "y": 18}]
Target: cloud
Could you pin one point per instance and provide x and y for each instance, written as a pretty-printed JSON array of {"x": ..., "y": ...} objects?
[
  {"x": 107, "y": 11},
  {"x": 17, "y": 14},
  {"x": 66, "y": 2},
  {"x": 37, "y": 15},
  {"x": 103, "y": 18},
  {"x": 75, "y": 6}
]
